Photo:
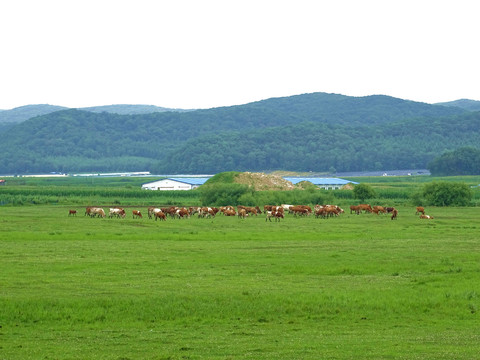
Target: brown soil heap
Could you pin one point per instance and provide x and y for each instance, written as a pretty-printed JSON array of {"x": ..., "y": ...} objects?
[{"x": 262, "y": 181}]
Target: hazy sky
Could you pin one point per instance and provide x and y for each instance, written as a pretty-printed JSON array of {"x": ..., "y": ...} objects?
[{"x": 209, "y": 53}]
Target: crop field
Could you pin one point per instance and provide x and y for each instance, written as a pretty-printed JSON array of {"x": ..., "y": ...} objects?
[{"x": 350, "y": 287}]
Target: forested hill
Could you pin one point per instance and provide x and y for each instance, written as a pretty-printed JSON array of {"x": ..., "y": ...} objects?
[
  {"x": 466, "y": 104},
  {"x": 26, "y": 112},
  {"x": 315, "y": 147},
  {"x": 292, "y": 133}
]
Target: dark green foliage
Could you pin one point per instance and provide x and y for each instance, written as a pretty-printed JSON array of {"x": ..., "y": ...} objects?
[
  {"x": 447, "y": 194},
  {"x": 311, "y": 132},
  {"x": 222, "y": 194},
  {"x": 463, "y": 161},
  {"x": 317, "y": 147},
  {"x": 363, "y": 192}
]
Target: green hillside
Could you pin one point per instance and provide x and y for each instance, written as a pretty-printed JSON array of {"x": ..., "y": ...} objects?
[
  {"x": 466, "y": 104},
  {"x": 319, "y": 147},
  {"x": 23, "y": 113},
  {"x": 26, "y": 112},
  {"x": 305, "y": 132}
]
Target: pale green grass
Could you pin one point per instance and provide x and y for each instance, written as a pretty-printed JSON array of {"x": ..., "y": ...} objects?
[{"x": 353, "y": 287}]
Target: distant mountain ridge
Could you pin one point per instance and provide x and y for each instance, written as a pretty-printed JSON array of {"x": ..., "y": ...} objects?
[
  {"x": 470, "y": 105},
  {"x": 309, "y": 132},
  {"x": 26, "y": 112}
]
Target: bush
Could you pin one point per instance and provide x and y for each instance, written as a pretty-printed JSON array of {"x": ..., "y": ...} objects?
[
  {"x": 222, "y": 194},
  {"x": 363, "y": 192},
  {"x": 447, "y": 194}
]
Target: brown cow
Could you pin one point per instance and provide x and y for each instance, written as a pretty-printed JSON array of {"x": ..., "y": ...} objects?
[
  {"x": 207, "y": 212},
  {"x": 94, "y": 211},
  {"x": 394, "y": 214},
  {"x": 136, "y": 213},
  {"x": 279, "y": 215},
  {"x": 182, "y": 213},
  {"x": 320, "y": 212},
  {"x": 423, "y": 216},
  {"x": 365, "y": 207},
  {"x": 378, "y": 209},
  {"x": 299, "y": 210},
  {"x": 267, "y": 208},
  {"x": 160, "y": 215},
  {"x": 72, "y": 212},
  {"x": 229, "y": 212},
  {"x": 242, "y": 213},
  {"x": 420, "y": 209}
]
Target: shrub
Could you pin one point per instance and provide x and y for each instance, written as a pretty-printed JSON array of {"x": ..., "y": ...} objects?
[
  {"x": 363, "y": 192},
  {"x": 447, "y": 194},
  {"x": 222, "y": 194}
]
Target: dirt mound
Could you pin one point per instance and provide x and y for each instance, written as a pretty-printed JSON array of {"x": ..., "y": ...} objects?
[
  {"x": 262, "y": 181},
  {"x": 348, "y": 186}
]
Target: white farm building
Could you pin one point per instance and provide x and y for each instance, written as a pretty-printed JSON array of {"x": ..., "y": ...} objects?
[
  {"x": 323, "y": 183},
  {"x": 175, "y": 183}
]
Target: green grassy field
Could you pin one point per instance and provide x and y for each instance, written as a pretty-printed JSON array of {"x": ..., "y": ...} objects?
[{"x": 352, "y": 287}]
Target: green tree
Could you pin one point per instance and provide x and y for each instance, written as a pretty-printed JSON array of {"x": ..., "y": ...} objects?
[
  {"x": 363, "y": 192},
  {"x": 447, "y": 194},
  {"x": 463, "y": 161}
]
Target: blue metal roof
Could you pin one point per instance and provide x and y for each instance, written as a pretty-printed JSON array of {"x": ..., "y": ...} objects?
[
  {"x": 191, "y": 181},
  {"x": 320, "y": 181}
]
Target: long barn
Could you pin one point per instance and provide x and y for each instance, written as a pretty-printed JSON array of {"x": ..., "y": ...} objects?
[
  {"x": 323, "y": 183},
  {"x": 178, "y": 183}
]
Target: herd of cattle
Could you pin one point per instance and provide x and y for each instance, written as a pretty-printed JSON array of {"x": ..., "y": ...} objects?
[{"x": 270, "y": 211}]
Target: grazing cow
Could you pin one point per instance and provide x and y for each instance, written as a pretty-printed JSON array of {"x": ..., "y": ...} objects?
[
  {"x": 365, "y": 208},
  {"x": 320, "y": 212},
  {"x": 230, "y": 212},
  {"x": 160, "y": 215},
  {"x": 94, "y": 211},
  {"x": 194, "y": 209},
  {"x": 331, "y": 211},
  {"x": 151, "y": 211},
  {"x": 378, "y": 209},
  {"x": 279, "y": 215},
  {"x": 423, "y": 216},
  {"x": 249, "y": 209},
  {"x": 206, "y": 212},
  {"x": 299, "y": 210},
  {"x": 72, "y": 212},
  {"x": 394, "y": 214},
  {"x": 354, "y": 209},
  {"x": 275, "y": 214},
  {"x": 136, "y": 214},
  {"x": 182, "y": 213},
  {"x": 420, "y": 209},
  {"x": 118, "y": 212},
  {"x": 225, "y": 208},
  {"x": 242, "y": 213},
  {"x": 267, "y": 208}
]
